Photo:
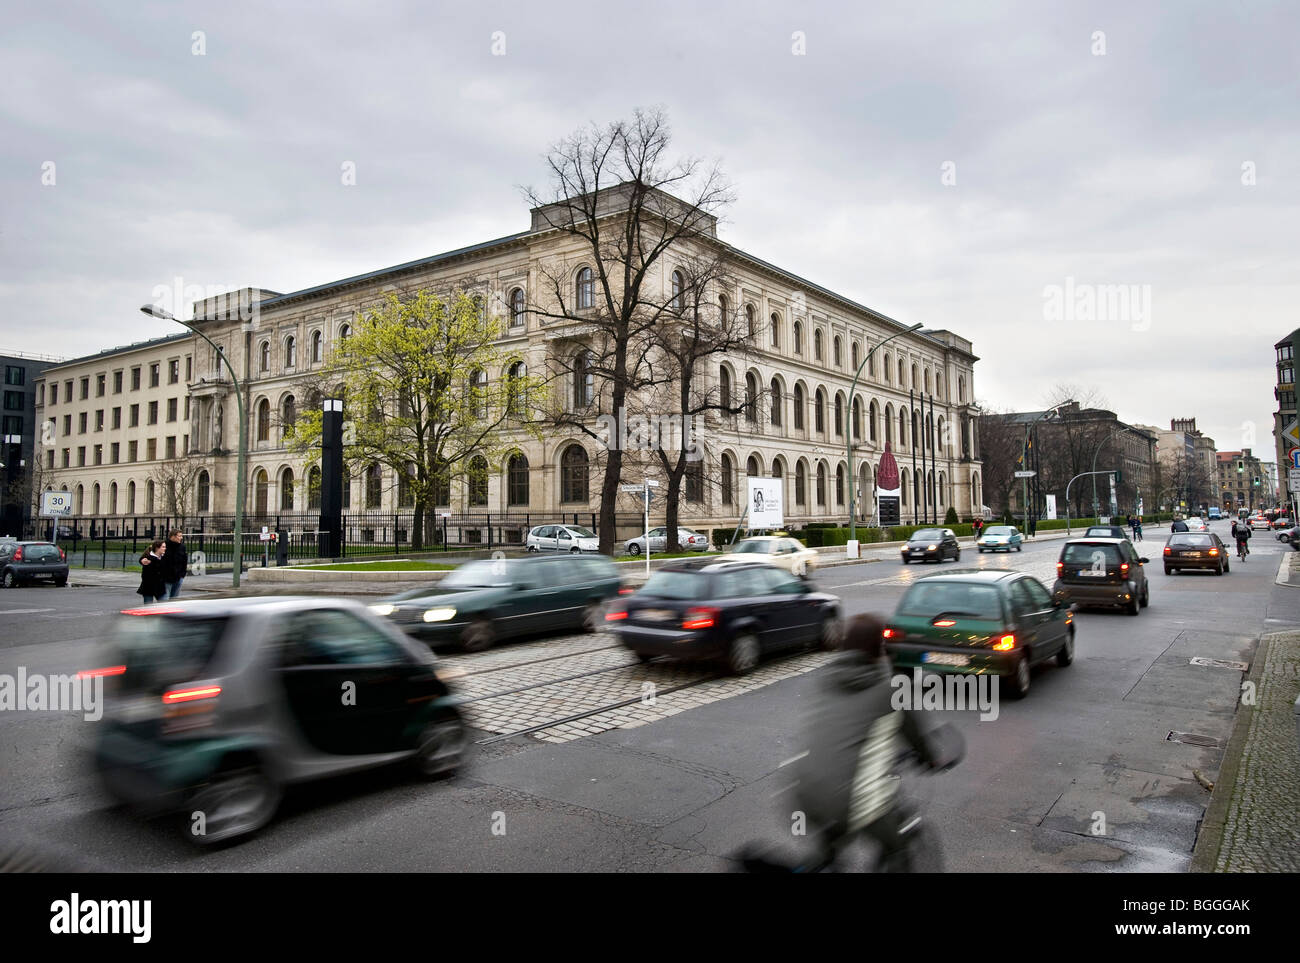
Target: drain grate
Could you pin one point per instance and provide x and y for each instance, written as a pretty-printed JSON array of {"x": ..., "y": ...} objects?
[
  {"x": 1220, "y": 663},
  {"x": 1192, "y": 739}
]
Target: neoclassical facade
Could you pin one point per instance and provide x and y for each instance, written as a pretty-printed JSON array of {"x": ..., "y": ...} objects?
[{"x": 803, "y": 346}]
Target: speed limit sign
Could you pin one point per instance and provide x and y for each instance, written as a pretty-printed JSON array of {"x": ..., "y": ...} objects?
[{"x": 56, "y": 504}]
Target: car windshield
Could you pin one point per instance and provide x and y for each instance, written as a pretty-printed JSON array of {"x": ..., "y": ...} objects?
[
  {"x": 163, "y": 650},
  {"x": 1000, "y": 530},
  {"x": 927, "y": 535},
  {"x": 1189, "y": 540},
  {"x": 581, "y": 532},
  {"x": 754, "y": 547},
  {"x": 481, "y": 574},
  {"x": 931, "y": 597},
  {"x": 675, "y": 585}
]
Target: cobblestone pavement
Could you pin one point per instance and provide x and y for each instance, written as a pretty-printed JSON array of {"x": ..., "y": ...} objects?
[{"x": 1262, "y": 829}]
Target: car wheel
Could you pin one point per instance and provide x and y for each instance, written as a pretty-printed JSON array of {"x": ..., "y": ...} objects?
[
  {"x": 1146, "y": 594},
  {"x": 477, "y": 636},
  {"x": 634, "y": 549},
  {"x": 742, "y": 656},
  {"x": 575, "y": 550},
  {"x": 831, "y": 634},
  {"x": 981, "y": 551},
  {"x": 1016, "y": 684},
  {"x": 1134, "y": 606},
  {"x": 1227, "y": 566},
  {"x": 61, "y": 582},
  {"x": 643, "y": 657},
  {"x": 591, "y": 617},
  {"x": 1066, "y": 654},
  {"x": 1168, "y": 570},
  {"x": 532, "y": 548},
  {"x": 233, "y": 804},
  {"x": 957, "y": 557},
  {"x": 440, "y": 748},
  {"x": 10, "y": 579}
]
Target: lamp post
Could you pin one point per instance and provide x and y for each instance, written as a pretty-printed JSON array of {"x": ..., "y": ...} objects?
[
  {"x": 1024, "y": 453},
  {"x": 156, "y": 312},
  {"x": 1117, "y": 431},
  {"x": 848, "y": 444}
]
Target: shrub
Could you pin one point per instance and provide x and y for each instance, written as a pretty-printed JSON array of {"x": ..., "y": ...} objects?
[{"x": 950, "y": 519}]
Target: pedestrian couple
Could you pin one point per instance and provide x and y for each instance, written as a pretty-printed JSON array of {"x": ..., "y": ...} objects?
[{"x": 162, "y": 568}]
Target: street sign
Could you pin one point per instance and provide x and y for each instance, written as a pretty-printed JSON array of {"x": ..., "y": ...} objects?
[
  {"x": 56, "y": 504},
  {"x": 1294, "y": 455},
  {"x": 1292, "y": 431},
  {"x": 1293, "y": 479},
  {"x": 1026, "y": 474}
]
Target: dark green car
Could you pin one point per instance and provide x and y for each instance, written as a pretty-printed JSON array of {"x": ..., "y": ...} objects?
[
  {"x": 984, "y": 623},
  {"x": 484, "y": 601}
]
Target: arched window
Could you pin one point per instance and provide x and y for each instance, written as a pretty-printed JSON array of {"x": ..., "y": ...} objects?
[
  {"x": 112, "y": 499},
  {"x": 724, "y": 316},
  {"x": 94, "y": 499},
  {"x": 857, "y": 419},
  {"x": 517, "y": 389},
  {"x": 817, "y": 345},
  {"x": 777, "y": 402},
  {"x": 724, "y": 387},
  {"x": 839, "y": 415},
  {"x": 889, "y": 424},
  {"x": 800, "y": 484},
  {"x": 901, "y": 374},
  {"x": 798, "y": 407},
  {"x": 586, "y": 293},
  {"x": 750, "y": 324},
  {"x": 915, "y": 382},
  {"x": 442, "y": 489},
  {"x": 584, "y": 381},
  {"x": 317, "y": 347},
  {"x": 573, "y": 474},
  {"x": 290, "y": 351},
  {"x": 902, "y": 427},
  {"x": 751, "y": 398},
  {"x": 927, "y": 381},
  {"x": 694, "y": 481},
  {"x": 261, "y": 491},
  {"x": 148, "y": 496},
  {"x": 856, "y": 353},
  {"x": 873, "y": 415},
  {"x": 798, "y": 337},
  {"x": 839, "y": 484},
  {"x": 753, "y": 468},
  {"x": 313, "y": 488},
  {"x": 728, "y": 482},
  {"x": 478, "y": 401},
  {"x": 517, "y": 308},
  {"x": 264, "y": 364},
  {"x": 902, "y": 486},
  {"x": 264, "y": 420},
  {"x": 130, "y": 498},
  {"x": 679, "y": 288},
  {"x": 871, "y": 365},
  {"x": 776, "y": 330},
  {"x": 405, "y": 496},
  {"x": 288, "y": 415},
  {"x": 345, "y": 331},
  {"x": 517, "y": 480},
  {"x": 961, "y": 390},
  {"x": 374, "y": 485},
  {"x": 889, "y": 370},
  {"x": 821, "y": 484},
  {"x": 819, "y": 412},
  {"x": 286, "y": 490},
  {"x": 838, "y": 352},
  {"x": 478, "y": 481},
  {"x": 205, "y": 492}
]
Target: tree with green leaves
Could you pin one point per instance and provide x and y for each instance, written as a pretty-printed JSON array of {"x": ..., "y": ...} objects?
[{"x": 421, "y": 399}]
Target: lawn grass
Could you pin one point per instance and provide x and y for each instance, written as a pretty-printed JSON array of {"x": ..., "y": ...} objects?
[{"x": 382, "y": 566}]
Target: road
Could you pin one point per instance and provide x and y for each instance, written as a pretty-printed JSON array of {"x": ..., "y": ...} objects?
[{"x": 679, "y": 784}]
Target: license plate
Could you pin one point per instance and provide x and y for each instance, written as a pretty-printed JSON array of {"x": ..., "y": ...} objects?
[
  {"x": 1089, "y": 573},
  {"x": 945, "y": 658},
  {"x": 1192, "y": 554},
  {"x": 656, "y": 615}
]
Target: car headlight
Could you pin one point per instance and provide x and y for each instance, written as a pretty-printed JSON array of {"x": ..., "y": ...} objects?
[
  {"x": 382, "y": 608},
  {"x": 931, "y": 548},
  {"x": 439, "y": 615}
]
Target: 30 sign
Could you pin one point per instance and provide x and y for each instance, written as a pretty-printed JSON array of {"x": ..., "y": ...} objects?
[{"x": 56, "y": 504}]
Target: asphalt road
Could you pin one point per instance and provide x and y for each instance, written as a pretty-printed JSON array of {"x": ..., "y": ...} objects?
[{"x": 1087, "y": 749}]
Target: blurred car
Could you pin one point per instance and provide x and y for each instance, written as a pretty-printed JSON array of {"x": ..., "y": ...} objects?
[
  {"x": 1195, "y": 550},
  {"x": 1215, "y": 514},
  {"x": 730, "y": 610},
  {"x": 1258, "y": 522},
  {"x": 1282, "y": 522},
  {"x": 931, "y": 543},
  {"x": 562, "y": 538},
  {"x": 689, "y": 541},
  {"x": 780, "y": 550},
  {"x": 998, "y": 538},
  {"x": 1102, "y": 572},
  {"x": 1106, "y": 531},
  {"x": 986, "y": 623},
  {"x": 213, "y": 707},
  {"x": 27, "y": 561},
  {"x": 1290, "y": 537},
  {"x": 1197, "y": 524},
  {"x": 484, "y": 601}
]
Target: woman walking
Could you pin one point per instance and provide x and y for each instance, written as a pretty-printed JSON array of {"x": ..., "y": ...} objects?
[{"x": 152, "y": 576}]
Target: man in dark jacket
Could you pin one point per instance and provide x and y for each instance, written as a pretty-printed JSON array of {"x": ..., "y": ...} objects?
[
  {"x": 846, "y": 781},
  {"x": 175, "y": 563},
  {"x": 1177, "y": 527}
]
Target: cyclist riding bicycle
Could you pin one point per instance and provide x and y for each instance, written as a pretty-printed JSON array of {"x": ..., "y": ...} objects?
[{"x": 1242, "y": 534}]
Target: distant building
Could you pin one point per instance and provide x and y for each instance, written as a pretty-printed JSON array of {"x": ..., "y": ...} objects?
[
  {"x": 1187, "y": 465},
  {"x": 18, "y": 439},
  {"x": 1243, "y": 481},
  {"x": 1286, "y": 413}
]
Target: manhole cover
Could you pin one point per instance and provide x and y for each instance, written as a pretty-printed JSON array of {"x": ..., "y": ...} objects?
[
  {"x": 1220, "y": 663},
  {"x": 1192, "y": 739}
]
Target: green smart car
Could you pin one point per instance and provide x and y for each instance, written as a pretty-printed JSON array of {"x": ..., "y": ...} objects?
[{"x": 981, "y": 622}]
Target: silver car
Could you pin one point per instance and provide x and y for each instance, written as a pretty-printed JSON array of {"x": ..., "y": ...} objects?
[
  {"x": 688, "y": 540},
  {"x": 562, "y": 538},
  {"x": 211, "y": 708}
]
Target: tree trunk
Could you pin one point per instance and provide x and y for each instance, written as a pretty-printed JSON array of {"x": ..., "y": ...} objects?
[
  {"x": 417, "y": 526},
  {"x": 671, "y": 507}
]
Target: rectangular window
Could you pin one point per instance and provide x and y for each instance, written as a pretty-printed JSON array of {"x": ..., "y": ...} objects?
[
  {"x": 99, "y": 454},
  {"x": 13, "y": 425},
  {"x": 101, "y": 385},
  {"x": 187, "y": 407},
  {"x": 172, "y": 405},
  {"x": 116, "y": 452},
  {"x": 15, "y": 375},
  {"x": 13, "y": 401},
  {"x": 154, "y": 371},
  {"x": 151, "y": 449},
  {"x": 173, "y": 372},
  {"x": 67, "y": 457},
  {"x": 135, "y": 379},
  {"x": 135, "y": 416},
  {"x": 132, "y": 449},
  {"x": 189, "y": 369},
  {"x": 40, "y": 396},
  {"x": 153, "y": 413},
  {"x": 117, "y": 417},
  {"x": 49, "y": 458},
  {"x": 81, "y": 423},
  {"x": 117, "y": 382},
  {"x": 171, "y": 446},
  {"x": 99, "y": 420},
  {"x": 54, "y": 393},
  {"x": 85, "y": 388},
  {"x": 67, "y": 425},
  {"x": 67, "y": 390},
  {"x": 81, "y": 457},
  {"x": 186, "y": 446}
]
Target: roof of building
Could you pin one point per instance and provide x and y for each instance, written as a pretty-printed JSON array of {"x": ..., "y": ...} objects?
[{"x": 122, "y": 349}]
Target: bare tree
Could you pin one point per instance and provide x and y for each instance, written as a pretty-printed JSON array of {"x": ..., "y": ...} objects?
[
  {"x": 176, "y": 479},
  {"x": 625, "y": 205},
  {"x": 1001, "y": 439}
]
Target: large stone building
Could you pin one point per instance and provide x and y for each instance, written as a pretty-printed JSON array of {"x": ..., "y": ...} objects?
[
  {"x": 1243, "y": 481},
  {"x": 804, "y": 345},
  {"x": 1187, "y": 465},
  {"x": 18, "y": 469}
]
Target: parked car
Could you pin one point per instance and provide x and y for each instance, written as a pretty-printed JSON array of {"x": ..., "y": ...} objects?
[
  {"x": 931, "y": 543},
  {"x": 725, "y": 609},
  {"x": 689, "y": 541},
  {"x": 989, "y": 622},
  {"x": 1282, "y": 522},
  {"x": 562, "y": 538},
  {"x": 1201, "y": 550},
  {"x": 1290, "y": 537},
  {"x": 27, "y": 561},
  {"x": 779, "y": 550},
  {"x": 1000, "y": 538},
  {"x": 215, "y": 707},
  {"x": 1105, "y": 531},
  {"x": 1103, "y": 572},
  {"x": 484, "y": 601}
]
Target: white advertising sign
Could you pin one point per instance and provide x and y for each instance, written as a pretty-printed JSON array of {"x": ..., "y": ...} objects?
[
  {"x": 56, "y": 504},
  {"x": 1051, "y": 505},
  {"x": 765, "y": 508}
]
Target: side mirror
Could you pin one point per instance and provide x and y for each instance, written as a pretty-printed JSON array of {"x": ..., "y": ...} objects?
[{"x": 1143, "y": 561}]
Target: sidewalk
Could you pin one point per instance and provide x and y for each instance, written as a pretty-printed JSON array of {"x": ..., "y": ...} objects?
[{"x": 1252, "y": 824}]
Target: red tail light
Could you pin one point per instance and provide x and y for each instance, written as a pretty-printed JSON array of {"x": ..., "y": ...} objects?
[
  {"x": 151, "y": 610},
  {"x": 626, "y": 591},
  {"x": 1123, "y": 568},
  {"x": 615, "y": 616},
  {"x": 944, "y": 623},
  {"x": 95, "y": 673},
  {"x": 1167, "y": 551},
  {"x": 1060, "y": 567},
  {"x": 1214, "y": 551},
  {"x": 18, "y": 554},
  {"x": 888, "y": 634},
  {"x": 701, "y": 618},
  {"x": 1005, "y": 644},
  {"x": 63, "y": 556},
  {"x": 190, "y": 695}
]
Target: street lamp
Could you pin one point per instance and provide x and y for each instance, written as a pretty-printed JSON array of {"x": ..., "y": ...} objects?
[
  {"x": 848, "y": 444},
  {"x": 1024, "y": 454},
  {"x": 156, "y": 312},
  {"x": 1095, "y": 503}
]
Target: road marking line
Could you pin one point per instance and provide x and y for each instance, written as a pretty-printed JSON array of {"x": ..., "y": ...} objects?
[
  {"x": 24, "y": 611},
  {"x": 793, "y": 759}
]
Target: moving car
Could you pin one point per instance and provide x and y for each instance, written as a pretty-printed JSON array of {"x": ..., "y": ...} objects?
[
  {"x": 689, "y": 541},
  {"x": 1282, "y": 522},
  {"x": 562, "y": 538},
  {"x": 998, "y": 538},
  {"x": 1195, "y": 550},
  {"x": 1259, "y": 522},
  {"x": 1106, "y": 531},
  {"x": 780, "y": 550},
  {"x": 1290, "y": 537},
  {"x": 1215, "y": 514},
  {"x": 212, "y": 708},
  {"x": 484, "y": 601},
  {"x": 1102, "y": 572},
  {"x": 27, "y": 561},
  {"x": 725, "y": 609},
  {"x": 931, "y": 543},
  {"x": 986, "y": 623},
  {"x": 1197, "y": 524}
]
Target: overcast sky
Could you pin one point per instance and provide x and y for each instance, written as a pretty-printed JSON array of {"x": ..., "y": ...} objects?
[{"x": 943, "y": 163}]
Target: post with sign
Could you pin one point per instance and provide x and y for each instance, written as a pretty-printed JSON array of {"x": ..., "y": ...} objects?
[
  {"x": 56, "y": 505},
  {"x": 644, "y": 489}
]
